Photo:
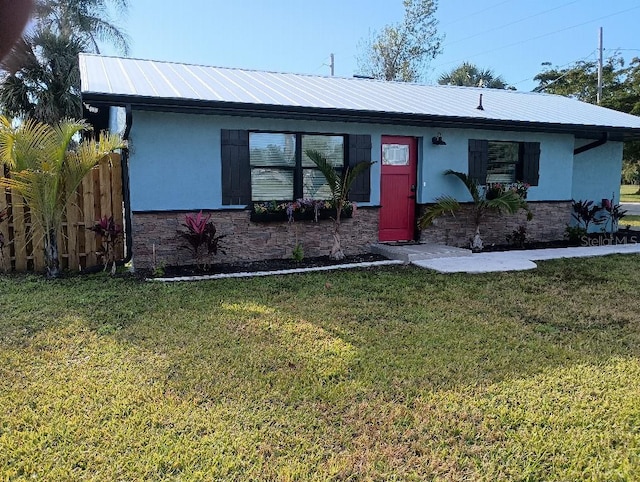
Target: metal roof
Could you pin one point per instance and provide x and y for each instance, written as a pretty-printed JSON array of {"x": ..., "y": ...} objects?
[{"x": 183, "y": 87}]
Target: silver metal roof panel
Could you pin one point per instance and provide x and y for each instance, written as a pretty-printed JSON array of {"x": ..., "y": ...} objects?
[{"x": 104, "y": 77}]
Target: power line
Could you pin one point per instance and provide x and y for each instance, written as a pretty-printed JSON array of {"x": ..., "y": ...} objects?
[
  {"x": 476, "y": 13},
  {"x": 511, "y": 23},
  {"x": 537, "y": 37},
  {"x": 573, "y": 62}
]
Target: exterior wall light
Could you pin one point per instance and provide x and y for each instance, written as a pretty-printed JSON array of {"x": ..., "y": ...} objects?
[{"x": 438, "y": 141}]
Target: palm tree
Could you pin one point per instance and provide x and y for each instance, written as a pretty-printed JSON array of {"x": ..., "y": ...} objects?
[
  {"x": 506, "y": 201},
  {"x": 47, "y": 86},
  {"x": 86, "y": 20},
  {"x": 46, "y": 166},
  {"x": 469, "y": 75},
  {"x": 339, "y": 185},
  {"x": 41, "y": 76}
]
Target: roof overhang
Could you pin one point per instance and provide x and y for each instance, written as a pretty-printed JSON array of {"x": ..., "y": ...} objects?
[{"x": 196, "y": 106}]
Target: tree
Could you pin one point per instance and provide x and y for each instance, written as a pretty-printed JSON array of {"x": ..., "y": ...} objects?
[
  {"x": 620, "y": 88},
  {"x": 509, "y": 201},
  {"x": 339, "y": 185},
  {"x": 41, "y": 77},
  {"x": 89, "y": 21},
  {"x": 46, "y": 166},
  {"x": 47, "y": 87},
  {"x": 469, "y": 75},
  {"x": 401, "y": 51}
]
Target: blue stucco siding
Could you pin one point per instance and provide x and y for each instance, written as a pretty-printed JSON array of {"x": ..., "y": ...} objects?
[
  {"x": 175, "y": 159},
  {"x": 174, "y": 162},
  {"x": 597, "y": 172},
  {"x": 556, "y": 164}
]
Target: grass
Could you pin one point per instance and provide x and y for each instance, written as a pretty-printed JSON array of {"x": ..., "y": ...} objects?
[
  {"x": 630, "y": 220},
  {"x": 389, "y": 374},
  {"x": 629, "y": 194}
]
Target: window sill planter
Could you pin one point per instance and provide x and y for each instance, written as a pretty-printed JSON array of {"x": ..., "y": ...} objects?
[{"x": 298, "y": 215}]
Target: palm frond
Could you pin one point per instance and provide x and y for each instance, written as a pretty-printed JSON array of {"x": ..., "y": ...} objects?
[
  {"x": 328, "y": 171},
  {"x": 471, "y": 184},
  {"x": 508, "y": 202},
  {"x": 443, "y": 205}
]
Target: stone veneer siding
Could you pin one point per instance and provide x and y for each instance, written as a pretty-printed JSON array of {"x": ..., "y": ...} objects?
[
  {"x": 548, "y": 224},
  {"x": 245, "y": 240}
]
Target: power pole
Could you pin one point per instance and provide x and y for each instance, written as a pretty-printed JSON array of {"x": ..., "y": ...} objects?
[
  {"x": 332, "y": 64},
  {"x": 599, "y": 95}
]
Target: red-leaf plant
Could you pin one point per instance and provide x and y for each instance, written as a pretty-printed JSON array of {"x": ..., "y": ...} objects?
[
  {"x": 110, "y": 235},
  {"x": 200, "y": 235}
]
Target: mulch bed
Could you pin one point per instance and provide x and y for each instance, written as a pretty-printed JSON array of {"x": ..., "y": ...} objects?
[
  {"x": 264, "y": 265},
  {"x": 623, "y": 236}
]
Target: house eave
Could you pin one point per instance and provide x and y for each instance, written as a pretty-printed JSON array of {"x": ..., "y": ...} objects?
[{"x": 195, "y": 106}]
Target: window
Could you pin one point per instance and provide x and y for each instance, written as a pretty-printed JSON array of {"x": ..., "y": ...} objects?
[
  {"x": 272, "y": 166},
  {"x": 280, "y": 169},
  {"x": 503, "y": 161}
]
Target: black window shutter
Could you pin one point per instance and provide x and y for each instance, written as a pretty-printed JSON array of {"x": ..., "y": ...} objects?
[
  {"x": 478, "y": 160},
  {"x": 360, "y": 151},
  {"x": 236, "y": 171},
  {"x": 531, "y": 163}
]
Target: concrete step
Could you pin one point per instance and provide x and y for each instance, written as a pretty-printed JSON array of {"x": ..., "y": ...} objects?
[{"x": 409, "y": 252}]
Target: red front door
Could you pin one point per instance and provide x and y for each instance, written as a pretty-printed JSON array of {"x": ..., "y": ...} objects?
[{"x": 398, "y": 188}]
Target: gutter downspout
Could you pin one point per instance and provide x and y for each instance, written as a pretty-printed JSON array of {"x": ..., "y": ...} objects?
[
  {"x": 126, "y": 197},
  {"x": 592, "y": 145}
]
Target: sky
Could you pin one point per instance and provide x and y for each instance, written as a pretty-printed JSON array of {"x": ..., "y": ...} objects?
[{"x": 511, "y": 37}]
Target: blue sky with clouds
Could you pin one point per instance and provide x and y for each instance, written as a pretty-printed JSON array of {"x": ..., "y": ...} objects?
[{"x": 512, "y": 37}]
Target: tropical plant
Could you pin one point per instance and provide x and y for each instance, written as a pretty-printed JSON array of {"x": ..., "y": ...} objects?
[
  {"x": 401, "y": 51},
  {"x": 46, "y": 166},
  {"x": 41, "y": 76},
  {"x": 110, "y": 235},
  {"x": 613, "y": 213},
  {"x": 88, "y": 20},
  {"x": 585, "y": 213},
  {"x": 507, "y": 201},
  {"x": 47, "y": 86},
  {"x": 469, "y": 75},
  {"x": 339, "y": 185},
  {"x": 200, "y": 233}
]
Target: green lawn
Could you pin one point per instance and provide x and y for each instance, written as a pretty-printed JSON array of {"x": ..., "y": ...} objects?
[
  {"x": 629, "y": 194},
  {"x": 389, "y": 374},
  {"x": 630, "y": 220}
]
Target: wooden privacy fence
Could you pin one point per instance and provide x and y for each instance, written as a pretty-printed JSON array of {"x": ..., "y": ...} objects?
[{"x": 100, "y": 194}]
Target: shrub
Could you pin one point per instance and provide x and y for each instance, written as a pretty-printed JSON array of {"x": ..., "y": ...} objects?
[
  {"x": 110, "y": 235},
  {"x": 201, "y": 236}
]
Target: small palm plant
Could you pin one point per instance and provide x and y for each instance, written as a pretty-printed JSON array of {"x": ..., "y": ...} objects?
[
  {"x": 508, "y": 201},
  {"x": 46, "y": 166},
  {"x": 339, "y": 185}
]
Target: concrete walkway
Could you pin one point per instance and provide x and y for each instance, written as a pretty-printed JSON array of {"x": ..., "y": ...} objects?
[{"x": 463, "y": 261}]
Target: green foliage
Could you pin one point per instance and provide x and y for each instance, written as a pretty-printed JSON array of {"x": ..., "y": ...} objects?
[
  {"x": 339, "y": 185},
  {"x": 43, "y": 78},
  {"x": 575, "y": 234},
  {"x": 621, "y": 88},
  {"x": 503, "y": 201},
  {"x": 298, "y": 253},
  {"x": 402, "y": 51},
  {"x": 518, "y": 237},
  {"x": 411, "y": 374},
  {"x": 629, "y": 194},
  {"x": 46, "y": 167},
  {"x": 469, "y": 75}
]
